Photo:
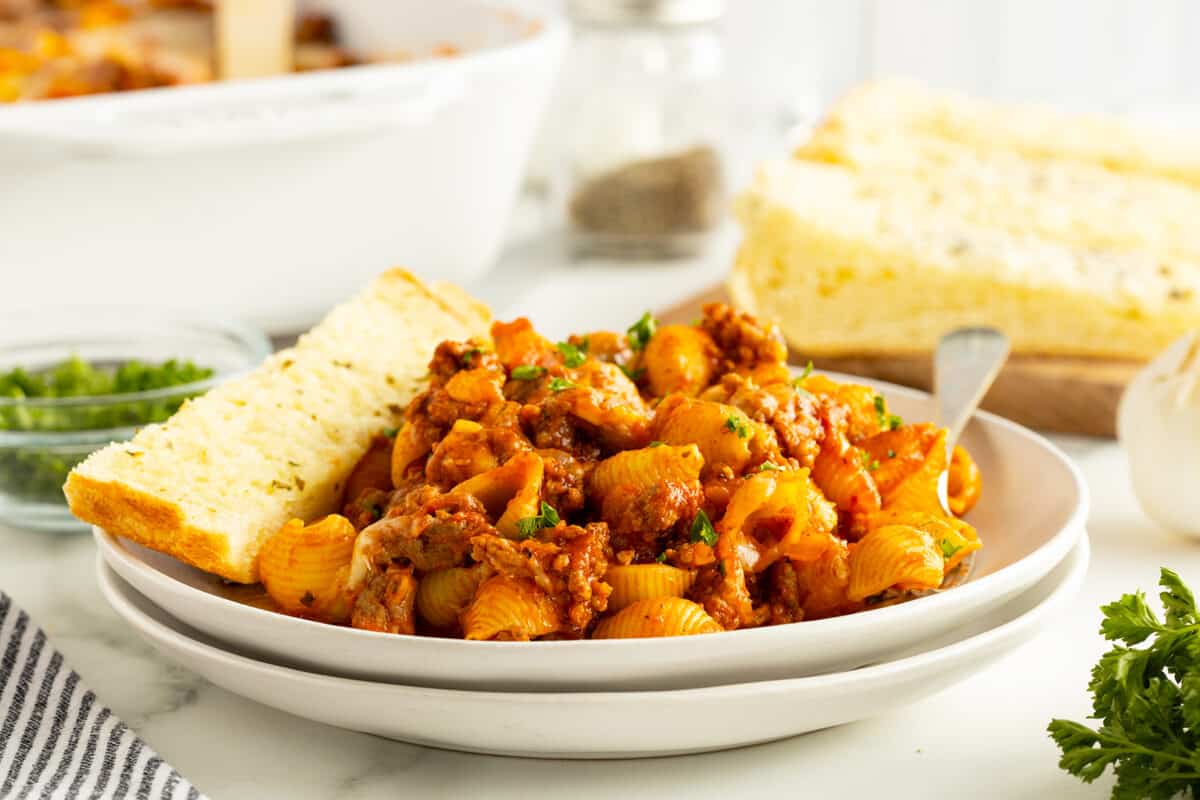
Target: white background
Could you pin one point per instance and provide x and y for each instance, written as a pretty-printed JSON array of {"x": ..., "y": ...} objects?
[{"x": 1118, "y": 55}]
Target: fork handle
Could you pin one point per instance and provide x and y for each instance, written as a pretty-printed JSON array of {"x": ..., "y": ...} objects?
[{"x": 965, "y": 365}]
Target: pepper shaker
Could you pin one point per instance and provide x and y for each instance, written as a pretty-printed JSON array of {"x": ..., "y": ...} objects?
[{"x": 644, "y": 123}]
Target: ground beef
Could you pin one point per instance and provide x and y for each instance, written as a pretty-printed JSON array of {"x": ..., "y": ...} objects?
[
  {"x": 388, "y": 603},
  {"x": 638, "y": 517},
  {"x": 369, "y": 507},
  {"x": 717, "y": 491},
  {"x": 564, "y": 480},
  {"x": 785, "y": 593},
  {"x": 429, "y": 530},
  {"x": 744, "y": 342},
  {"x": 458, "y": 457},
  {"x": 720, "y": 589},
  {"x": 795, "y": 415},
  {"x": 552, "y": 427},
  {"x": 451, "y": 357},
  {"x": 567, "y": 563}
]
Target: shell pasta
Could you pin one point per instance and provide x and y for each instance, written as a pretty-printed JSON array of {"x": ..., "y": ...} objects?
[{"x": 667, "y": 481}]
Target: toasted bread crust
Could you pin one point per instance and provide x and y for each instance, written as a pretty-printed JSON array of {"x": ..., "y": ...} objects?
[{"x": 155, "y": 523}]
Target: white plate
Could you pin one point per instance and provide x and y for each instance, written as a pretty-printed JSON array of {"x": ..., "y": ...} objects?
[
  {"x": 1032, "y": 513},
  {"x": 612, "y": 724}
]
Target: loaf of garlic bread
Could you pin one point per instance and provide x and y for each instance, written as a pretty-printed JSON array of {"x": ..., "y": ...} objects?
[
  {"x": 851, "y": 264},
  {"x": 1077, "y": 203},
  {"x": 908, "y": 111},
  {"x": 224, "y": 473}
]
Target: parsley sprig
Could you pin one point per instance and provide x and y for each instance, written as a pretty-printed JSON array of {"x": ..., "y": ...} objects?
[
  {"x": 468, "y": 358},
  {"x": 1146, "y": 698},
  {"x": 798, "y": 382},
  {"x": 634, "y": 375},
  {"x": 703, "y": 530},
  {"x": 889, "y": 422},
  {"x": 735, "y": 424},
  {"x": 529, "y": 526},
  {"x": 527, "y": 372},
  {"x": 573, "y": 355},
  {"x": 639, "y": 333}
]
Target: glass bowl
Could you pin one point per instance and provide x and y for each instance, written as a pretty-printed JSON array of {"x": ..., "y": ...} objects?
[{"x": 41, "y": 439}]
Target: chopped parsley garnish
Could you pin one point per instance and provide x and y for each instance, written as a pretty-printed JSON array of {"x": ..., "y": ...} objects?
[
  {"x": 470, "y": 356},
  {"x": 573, "y": 355},
  {"x": 868, "y": 462},
  {"x": 560, "y": 384},
  {"x": 661, "y": 558},
  {"x": 35, "y": 473},
  {"x": 527, "y": 372},
  {"x": 767, "y": 466},
  {"x": 390, "y": 432},
  {"x": 703, "y": 530},
  {"x": 891, "y": 453},
  {"x": 529, "y": 526},
  {"x": 949, "y": 548},
  {"x": 375, "y": 509},
  {"x": 737, "y": 425},
  {"x": 656, "y": 443},
  {"x": 798, "y": 383},
  {"x": 639, "y": 333},
  {"x": 634, "y": 375},
  {"x": 889, "y": 422}
]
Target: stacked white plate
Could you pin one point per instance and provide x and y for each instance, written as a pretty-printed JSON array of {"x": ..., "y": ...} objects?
[{"x": 641, "y": 697}]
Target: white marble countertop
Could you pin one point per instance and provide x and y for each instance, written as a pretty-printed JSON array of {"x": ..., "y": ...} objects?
[{"x": 984, "y": 737}]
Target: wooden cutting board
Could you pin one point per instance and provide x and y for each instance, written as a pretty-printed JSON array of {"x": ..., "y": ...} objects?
[{"x": 1064, "y": 395}]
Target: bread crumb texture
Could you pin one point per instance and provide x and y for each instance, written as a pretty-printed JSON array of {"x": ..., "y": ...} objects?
[
  {"x": 210, "y": 484},
  {"x": 910, "y": 212}
]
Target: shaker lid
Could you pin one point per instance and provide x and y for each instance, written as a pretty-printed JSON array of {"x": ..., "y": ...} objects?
[{"x": 646, "y": 12}]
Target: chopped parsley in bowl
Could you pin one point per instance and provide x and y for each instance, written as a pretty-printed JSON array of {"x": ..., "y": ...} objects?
[
  {"x": 76, "y": 378},
  {"x": 71, "y": 384},
  {"x": 75, "y": 396}
]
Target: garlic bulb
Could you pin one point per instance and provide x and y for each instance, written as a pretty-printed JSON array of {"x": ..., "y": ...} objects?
[{"x": 1158, "y": 424}]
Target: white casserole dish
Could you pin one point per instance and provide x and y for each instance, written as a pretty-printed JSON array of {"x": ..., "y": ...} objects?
[{"x": 271, "y": 199}]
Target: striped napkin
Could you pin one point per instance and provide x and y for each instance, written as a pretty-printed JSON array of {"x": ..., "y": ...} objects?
[{"x": 56, "y": 740}]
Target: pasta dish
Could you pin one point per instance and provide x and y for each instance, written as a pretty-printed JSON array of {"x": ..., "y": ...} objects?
[
  {"x": 670, "y": 480},
  {"x": 53, "y": 49}
]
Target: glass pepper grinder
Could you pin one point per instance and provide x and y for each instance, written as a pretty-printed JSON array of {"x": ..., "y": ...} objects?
[{"x": 643, "y": 126}]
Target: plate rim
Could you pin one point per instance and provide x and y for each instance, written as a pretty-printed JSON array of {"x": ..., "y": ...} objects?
[
  {"x": 114, "y": 588},
  {"x": 1054, "y": 550}
]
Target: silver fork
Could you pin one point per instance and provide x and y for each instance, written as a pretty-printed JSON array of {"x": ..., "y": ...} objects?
[{"x": 965, "y": 365}]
